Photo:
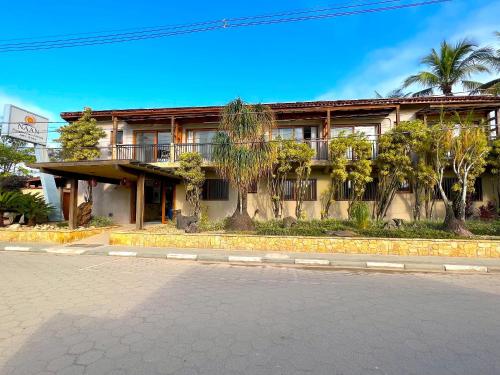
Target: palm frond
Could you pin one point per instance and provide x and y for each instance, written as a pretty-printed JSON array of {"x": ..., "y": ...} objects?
[{"x": 471, "y": 85}]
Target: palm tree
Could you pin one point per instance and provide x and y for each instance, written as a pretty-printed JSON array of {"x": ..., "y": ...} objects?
[
  {"x": 451, "y": 65},
  {"x": 241, "y": 152}
]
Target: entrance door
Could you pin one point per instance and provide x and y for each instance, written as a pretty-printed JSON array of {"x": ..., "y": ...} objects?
[
  {"x": 158, "y": 200},
  {"x": 167, "y": 202}
]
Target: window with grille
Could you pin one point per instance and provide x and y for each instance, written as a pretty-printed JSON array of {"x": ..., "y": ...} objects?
[
  {"x": 215, "y": 190},
  {"x": 448, "y": 182},
  {"x": 291, "y": 190},
  {"x": 345, "y": 191},
  {"x": 253, "y": 188}
]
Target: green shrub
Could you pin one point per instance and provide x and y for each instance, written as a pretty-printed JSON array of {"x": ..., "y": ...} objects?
[
  {"x": 302, "y": 228},
  {"x": 34, "y": 208},
  {"x": 484, "y": 228},
  {"x": 420, "y": 229},
  {"x": 208, "y": 225},
  {"x": 360, "y": 215},
  {"x": 101, "y": 221},
  {"x": 9, "y": 201}
]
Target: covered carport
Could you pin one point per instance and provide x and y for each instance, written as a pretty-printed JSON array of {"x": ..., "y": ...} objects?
[{"x": 110, "y": 172}]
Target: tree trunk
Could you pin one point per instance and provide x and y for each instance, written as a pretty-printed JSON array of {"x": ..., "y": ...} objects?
[
  {"x": 2, "y": 224},
  {"x": 241, "y": 220},
  {"x": 31, "y": 222},
  {"x": 447, "y": 90},
  {"x": 454, "y": 225}
]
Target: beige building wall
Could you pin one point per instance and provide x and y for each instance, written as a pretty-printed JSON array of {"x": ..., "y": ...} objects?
[{"x": 259, "y": 206}]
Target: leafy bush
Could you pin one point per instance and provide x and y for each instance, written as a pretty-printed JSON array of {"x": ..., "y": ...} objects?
[
  {"x": 484, "y": 228},
  {"x": 488, "y": 211},
  {"x": 208, "y": 225},
  {"x": 301, "y": 228},
  {"x": 419, "y": 229},
  {"x": 34, "y": 208},
  {"x": 101, "y": 221},
  {"x": 360, "y": 215},
  {"x": 13, "y": 182},
  {"x": 9, "y": 201}
]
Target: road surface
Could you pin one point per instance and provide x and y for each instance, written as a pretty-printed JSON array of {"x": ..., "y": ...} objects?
[{"x": 107, "y": 315}]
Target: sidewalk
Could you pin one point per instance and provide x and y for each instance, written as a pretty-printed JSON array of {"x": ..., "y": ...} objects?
[{"x": 345, "y": 261}]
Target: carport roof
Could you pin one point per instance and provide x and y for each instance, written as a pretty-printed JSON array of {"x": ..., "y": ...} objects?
[{"x": 107, "y": 171}]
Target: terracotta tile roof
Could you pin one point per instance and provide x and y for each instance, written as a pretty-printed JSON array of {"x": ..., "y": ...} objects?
[{"x": 290, "y": 106}]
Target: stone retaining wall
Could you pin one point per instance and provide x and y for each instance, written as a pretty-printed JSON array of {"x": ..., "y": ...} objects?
[
  {"x": 477, "y": 248},
  {"x": 53, "y": 235}
]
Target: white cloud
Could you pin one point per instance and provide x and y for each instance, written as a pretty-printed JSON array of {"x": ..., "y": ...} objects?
[{"x": 385, "y": 69}]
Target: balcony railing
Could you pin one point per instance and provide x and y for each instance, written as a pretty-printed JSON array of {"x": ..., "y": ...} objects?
[
  {"x": 172, "y": 152},
  {"x": 144, "y": 153}
]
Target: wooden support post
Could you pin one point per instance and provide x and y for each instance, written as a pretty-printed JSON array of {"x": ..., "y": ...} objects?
[
  {"x": 173, "y": 141},
  {"x": 328, "y": 124},
  {"x": 139, "y": 202},
  {"x": 398, "y": 114},
  {"x": 163, "y": 202},
  {"x": 497, "y": 122},
  {"x": 73, "y": 204},
  {"x": 114, "y": 138}
]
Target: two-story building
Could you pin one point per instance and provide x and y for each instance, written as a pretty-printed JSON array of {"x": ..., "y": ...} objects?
[{"x": 135, "y": 174}]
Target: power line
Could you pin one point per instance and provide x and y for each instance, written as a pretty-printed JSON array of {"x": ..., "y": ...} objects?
[
  {"x": 167, "y": 31},
  {"x": 139, "y": 30}
]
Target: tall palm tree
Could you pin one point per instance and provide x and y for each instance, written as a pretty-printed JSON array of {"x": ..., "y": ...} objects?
[
  {"x": 241, "y": 152},
  {"x": 451, "y": 65}
]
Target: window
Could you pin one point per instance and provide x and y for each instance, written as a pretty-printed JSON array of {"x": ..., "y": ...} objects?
[
  {"x": 215, "y": 190},
  {"x": 291, "y": 190},
  {"x": 253, "y": 188},
  {"x": 404, "y": 187},
  {"x": 448, "y": 182},
  {"x": 119, "y": 137},
  {"x": 297, "y": 132},
  {"x": 370, "y": 193}
]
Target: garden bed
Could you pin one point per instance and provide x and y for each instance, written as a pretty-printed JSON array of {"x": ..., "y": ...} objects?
[{"x": 422, "y": 229}]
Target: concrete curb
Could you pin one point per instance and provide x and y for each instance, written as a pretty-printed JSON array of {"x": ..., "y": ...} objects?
[{"x": 272, "y": 258}]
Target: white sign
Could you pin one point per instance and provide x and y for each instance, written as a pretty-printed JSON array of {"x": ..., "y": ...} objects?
[{"x": 25, "y": 125}]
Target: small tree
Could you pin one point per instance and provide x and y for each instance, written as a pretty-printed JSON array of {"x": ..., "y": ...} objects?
[
  {"x": 193, "y": 176},
  {"x": 338, "y": 149},
  {"x": 301, "y": 155},
  {"x": 463, "y": 147},
  {"x": 241, "y": 152},
  {"x": 360, "y": 170},
  {"x": 278, "y": 174},
  {"x": 423, "y": 183},
  {"x": 13, "y": 154},
  {"x": 398, "y": 149},
  {"x": 79, "y": 141}
]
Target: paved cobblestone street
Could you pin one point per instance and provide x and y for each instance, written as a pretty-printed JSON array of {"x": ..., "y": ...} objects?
[{"x": 104, "y": 315}]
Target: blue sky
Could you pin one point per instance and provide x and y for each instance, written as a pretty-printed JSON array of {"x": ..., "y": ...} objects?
[{"x": 327, "y": 59}]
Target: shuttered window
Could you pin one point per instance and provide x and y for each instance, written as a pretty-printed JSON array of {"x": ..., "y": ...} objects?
[
  {"x": 215, "y": 190},
  {"x": 291, "y": 190}
]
